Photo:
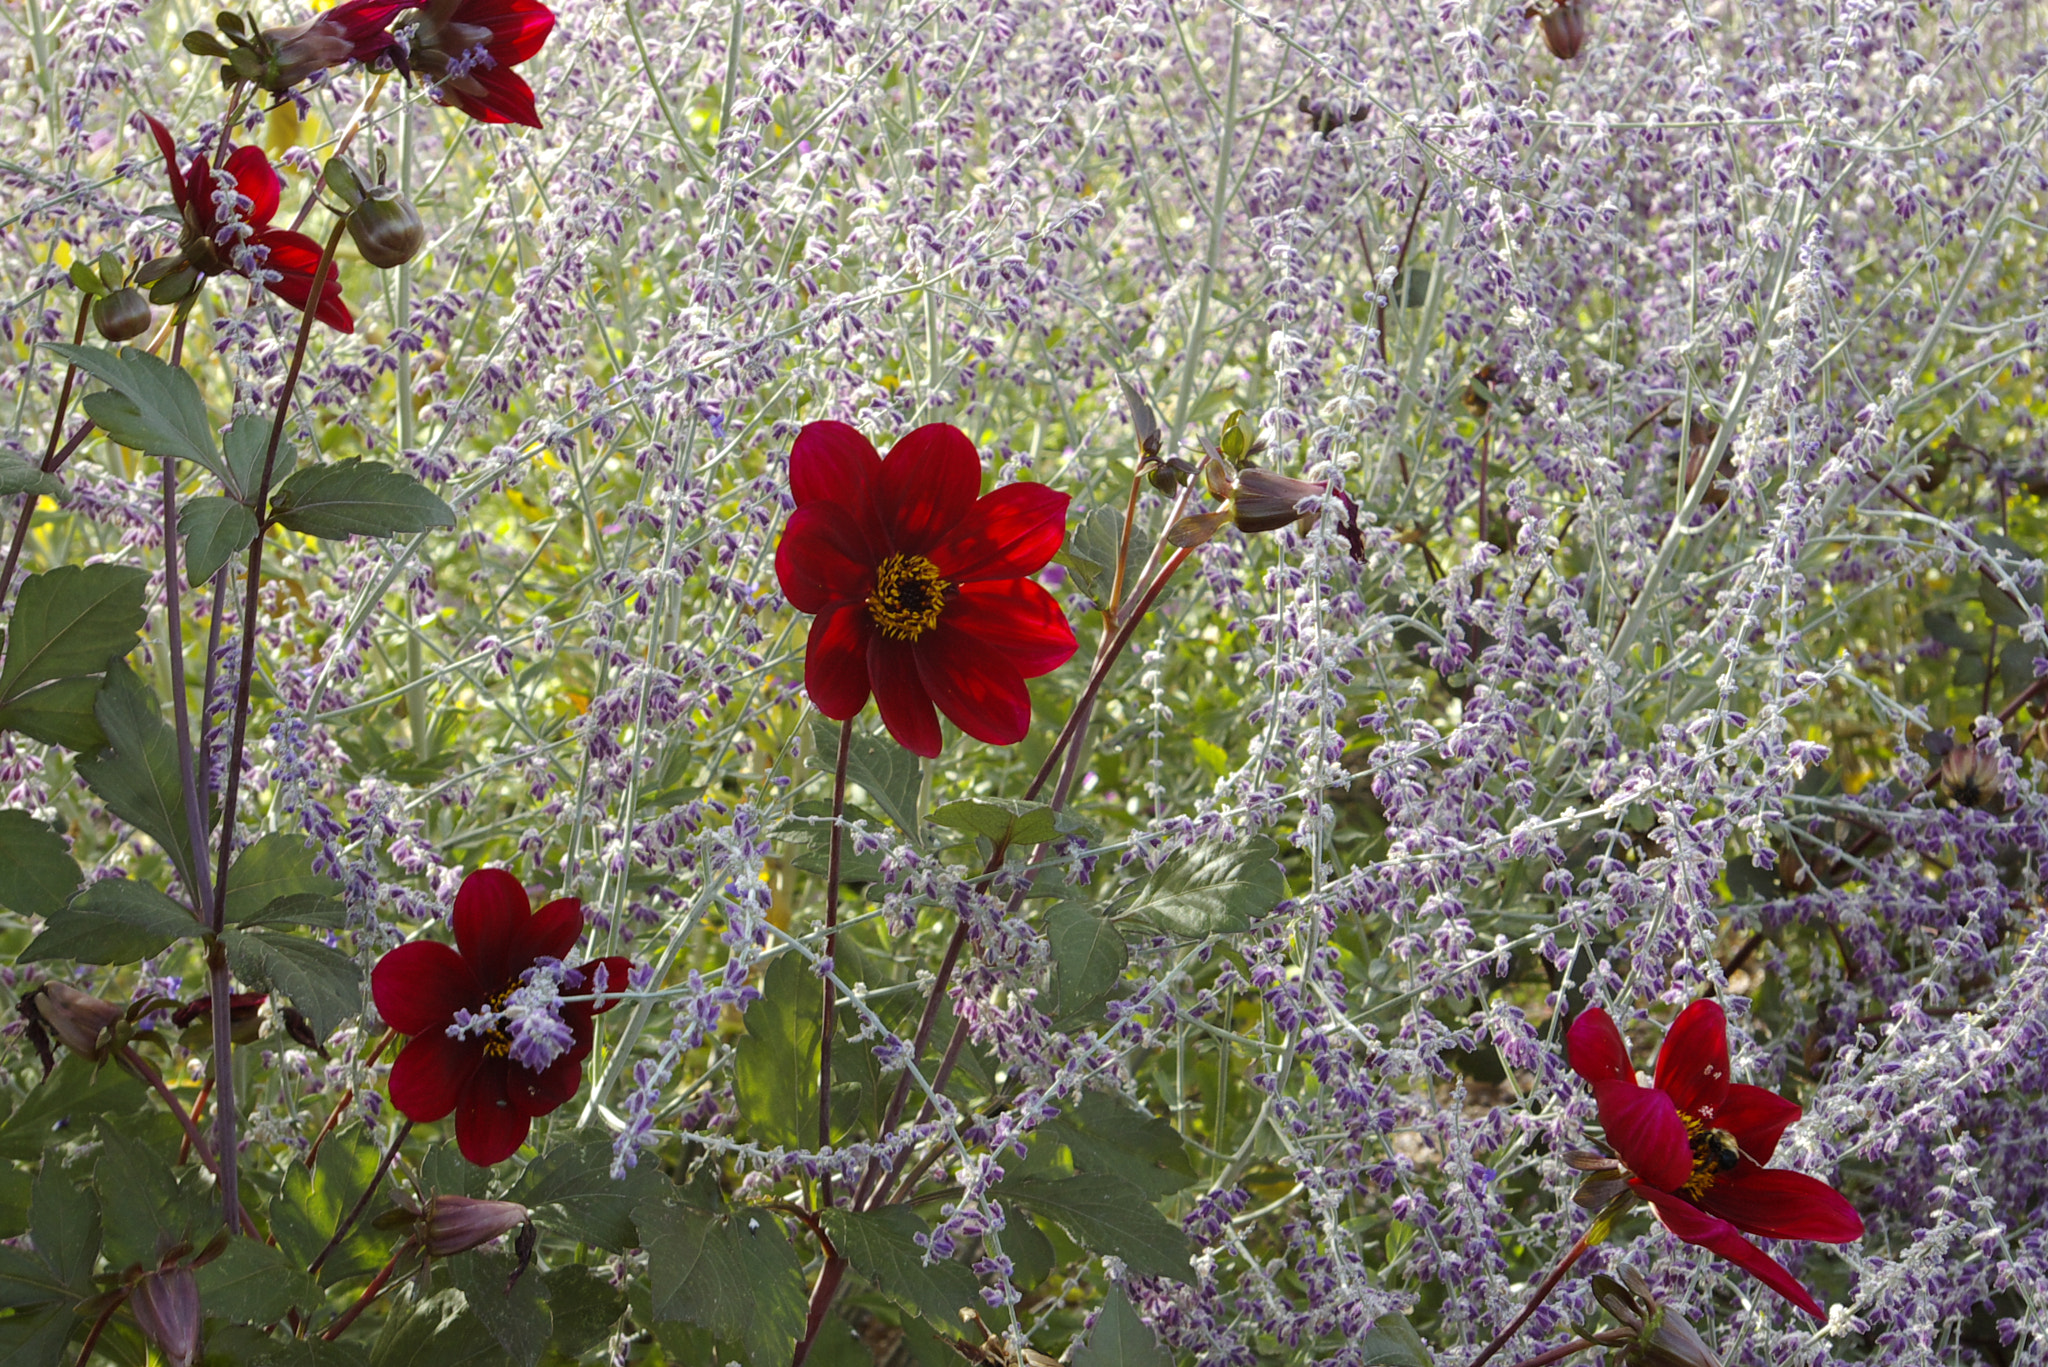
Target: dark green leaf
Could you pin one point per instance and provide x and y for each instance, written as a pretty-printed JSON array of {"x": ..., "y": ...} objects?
[
  {"x": 309, "y": 1207},
  {"x": 1999, "y": 605},
  {"x": 1091, "y": 548},
  {"x": 511, "y": 1311},
  {"x": 36, "y": 1338},
  {"x": 278, "y": 865},
  {"x": 584, "y": 1306},
  {"x": 355, "y": 498},
  {"x": 1088, "y": 957},
  {"x": 215, "y": 530},
  {"x": 1214, "y": 889},
  {"x": 69, "y": 622},
  {"x": 27, "y": 1280},
  {"x": 885, "y": 770},
  {"x": 300, "y": 909},
  {"x": 253, "y": 1283},
  {"x": 158, "y": 408},
  {"x": 571, "y": 1191},
  {"x": 810, "y": 829},
  {"x": 881, "y": 1246},
  {"x": 324, "y": 983},
  {"x": 733, "y": 1275},
  {"x": 245, "y": 444},
  {"x": 1106, "y": 1214},
  {"x": 66, "y": 1104},
  {"x": 1942, "y": 626},
  {"x": 435, "y": 1331},
  {"x": 775, "y": 1065},
  {"x": 1970, "y": 670},
  {"x": 1105, "y": 1134},
  {"x": 114, "y": 921},
  {"x": 19, "y": 477},
  {"x": 1393, "y": 1342},
  {"x": 1000, "y": 818},
  {"x": 37, "y": 873},
  {"x": 136, "y": 776},
  {"x": 1118, "y": 1338},
  {"x": 148, "y": 1209},
  {"x": 1030, "y": 1252},
  {"x": 247, "y": 1347},
  {"x": 16, "y": 1183},
  {"x": 60, "y": 713}
]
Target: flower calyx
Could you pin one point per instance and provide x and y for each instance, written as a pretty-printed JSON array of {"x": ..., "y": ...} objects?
[
  {"x": 1563, "y": 25},
  {"x": 1658, "y": 1335},
  {"x": 383, "y": 223}
]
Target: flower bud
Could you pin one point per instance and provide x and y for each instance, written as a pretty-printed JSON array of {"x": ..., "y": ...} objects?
[
  {"x": 245, "y": 1018},
  {"x": 387, "y": 230},
  {"x": 121, "y": 316},
  {"x": 456, "y": 1224},
  {"x": 1662, "y": 1338},
  {"x": 1266, "y": 502},
  {"x": 1564, "y": 30},
  {"x": 166, "y": 1306},
  {"x": 78, "y": 1018}
]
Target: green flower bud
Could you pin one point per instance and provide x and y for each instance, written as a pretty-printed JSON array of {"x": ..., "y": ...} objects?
[
  {"x": 387, "y": 230},
  {"x": 121, "y": 316}
]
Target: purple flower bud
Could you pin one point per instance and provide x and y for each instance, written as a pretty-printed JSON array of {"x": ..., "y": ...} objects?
[
  {"x": 456, "y": 1224},
  {"x": 78, "y": 1018},
  {"x": 166, "y": 1306}
]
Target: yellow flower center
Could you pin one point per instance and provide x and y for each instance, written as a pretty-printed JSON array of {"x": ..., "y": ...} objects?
[
  {"x": 1713, "y": 1152},
  {"x": 909, "y": 595},
  {"x": 497, "y": 1044}
]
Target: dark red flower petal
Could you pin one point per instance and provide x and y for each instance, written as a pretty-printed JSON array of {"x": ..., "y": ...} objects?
[
  {"x": 978, "y": 689},
  {"x": 170, "y": 151},
  {"x": 506, "y": 98},
  {"x": 1018, "y": 620},
  {"x": 833, "y": 463},
  {"x": 537, "y": 1094},
  {"x": 617, "y": 969},
  {"x": 364, "y": 21},
  {"x": 1692, "y": 1064},
  {"x": 296, "y": 259},
  {"x": 1645, "y": 1129},
  {"x": 489, "y": 1126},
  {"x": 518, "y": 27},
  {"x": 491, "y": 912},
  {"x": 899, "y": 693},
  {"x": 257, "y": 179},
  {"x": 1595, "y": 1048},
  {"x": 930, "y": 479},
  {"x": 419, "y": 987},
  {"x": 836, "y": 661},
  {"x": 1783, "y": 1205},
  {"x": 1011, "y": 531},
  {"x": 432, "y": 1075},
  {"x": 551, "y": 934},
  {"x": 823, "y": 559},
  {"x": 1725, "y": 1241},
  {"x": 1756, "y": 1118}
]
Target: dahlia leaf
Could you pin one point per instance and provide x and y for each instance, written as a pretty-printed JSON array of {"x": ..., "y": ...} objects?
[
  {"x": 114, "y": 921},
  {"x": 153, "y": 406},
  {"x": 68, "y": 623},
  {"x": 1214, "y": 889},
  {"x": 357, "y": 498},
  {"x": 136, "y": 776},
  {"x": 324, "y": 983},
  {"x": 881, "y": 1245},
  {"x": 37, "y": 873},
  {"x": 1088, "y": 957},
  {"x": 276, "y": 866},
  {"x": 215, "y": 530},
  {"x": 1118, "y": 1338},
  {"x": 1107, "y": 1214}
]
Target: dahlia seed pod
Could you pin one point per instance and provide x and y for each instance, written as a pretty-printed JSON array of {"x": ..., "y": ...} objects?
[
  {"x": 387, "y": 231},
  {"x": 166, "y": 1306},
  {"x": 1564, "y": 30},
  {"x": 78, "y": 1018},
  {"x": 121, "y": 316}
]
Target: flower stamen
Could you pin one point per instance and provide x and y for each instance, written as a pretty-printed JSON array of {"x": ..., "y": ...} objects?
[
  {"x": 1714, "y": 1152},
  {"x": 909, "y": 595}
]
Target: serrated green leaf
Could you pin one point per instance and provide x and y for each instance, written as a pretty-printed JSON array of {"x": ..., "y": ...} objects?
[
  {"x": 36, "y": 1338},
  {"x": 253, "y": 1283},
  {"x": 775, "y": 1064},
  {"x": 26, "y": 1280},
  {"x": 245, "y": 444},
  {"x": 435, "y": 1331},
  {"x": 300, "y": 909},
  {"x": 1105, "y": 1134},
  {"x": 1088, "y": 957},
  {"x": 67, "y": 1102},
  {"x": 356, "y": 498},
  {"x": 733, "y": 1275},
  {"x": 160, "y": 410},
  {"x": 881, "y": 1245},
  {"x": 1214, "y": 889},
  {"x": 18, "y": 477},
  {"x": 324, "y": 983},
  {"x": 309, "y": 1207},
  {"x": 1090, "y": 550},
  {"x": 147, "y": 1209},
  {"x": 1118, "y": 1338},
  {"x": 60, "y": 713},
  {"x": 37, "y": 873},
  {"x": 215, "y": 531},
  {"x": 1001, "y": 818},
  {"x": 510, "y": 1310},
  {"x": 571, "y": 1191},
  {"x": 887, "y": 772},
  {"x": 136, "y": 776},
  {"x": 69, "y": 622},
  {"x": 1393, "y": 1342},
  {"x": 584, "y": 1307},
  {"x": 113, "y": 921},
  {"x": 1107, "y": 1214},
  {"x": 277, "y": 865}
]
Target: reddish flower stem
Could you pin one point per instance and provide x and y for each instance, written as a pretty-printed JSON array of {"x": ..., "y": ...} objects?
[
  {"x": 349, "y": 1221},
  {"x": 1563, "y": 1351},
  {"x": 370, "y": 1293},
  {"x": 98, "y": 1327},
  {"x": 347, "y": 1095},
  {"x": 1577, "y": 1251},
  {"x": 29, "y": 501},
  {"x": 145, "y": 1070},
  {"x": 825, "y": 1019},
  {"x": 821, "y": 1301}
]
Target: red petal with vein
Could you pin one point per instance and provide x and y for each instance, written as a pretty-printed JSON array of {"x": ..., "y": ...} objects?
[
  {"x": 552, "y": 932},
  {"x": 1692, "y": 1065},
  {"x": 420, "y": 986},
  {"x": 1644, "y": 1128},
  {"x": 978, "y": 689},
  {"x": 256, "y": 178},
  {"x": 1756, "y": 1118},
  {"x": 1697, "y": 1227},
  {"x": 823, "y": 559},
  {"x": 836, "y": 661},
  {"x": 489, "y": 1127},
  {"x": 930, "y": 480},
  {"x": 1596, "y": 1049},
  {"x": 507, "y": 98},
  {"x": 170, "y": 150},
  {"x": 617, "y": 971},
  {"x": 1018, "y": 620},
  {"x": 491, "y": 912},
  {"x": 1012, "y": 531},
  {"x": 518, "y": 27},
  {"x": 834, "y": 462},
  {"x": 900, "y": 695},
  {"x": 296, "y": 259},
  {"x": 1783, "y": 1205},
  {"x": 432, "y": 1074}
]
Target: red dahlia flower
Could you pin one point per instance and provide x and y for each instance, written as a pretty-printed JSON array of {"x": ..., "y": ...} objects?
[
  {"x": 918, "y": 583},
  {"x": 1695, "y": 1145},
  {"x": 214, "y": 246},
  {"x": 491, "y": 1041},
  {"x": 280, "y": 58},
  {"x": 469, "y": 47}
]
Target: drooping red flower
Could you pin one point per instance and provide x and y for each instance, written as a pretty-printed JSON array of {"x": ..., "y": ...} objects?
[
  {"x": 1695, "y": 1145},
  {"x": 352, "y": 31},
  {"x": 287, "y": 259},
  {"x": 489, "y": 1043},
  {"x": 918, "y": 583},
  {"x": 469, "y": 47}
]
